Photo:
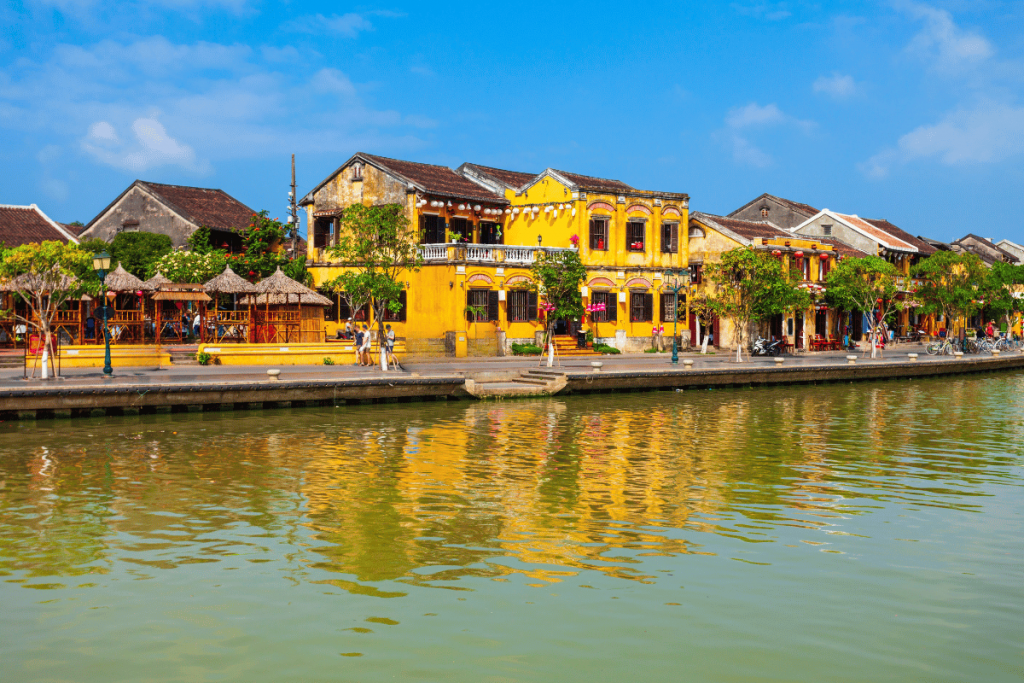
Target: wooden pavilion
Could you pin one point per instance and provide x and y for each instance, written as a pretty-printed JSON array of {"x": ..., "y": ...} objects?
[
  {"x": 228, "y": 324},
  {"x": 170, "y": 325},
  {"x": 287, "y": 312},
  {"x": 125, "y": 292}
]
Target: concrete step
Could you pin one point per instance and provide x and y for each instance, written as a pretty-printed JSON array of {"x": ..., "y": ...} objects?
[{"x": 530, "y": 380}]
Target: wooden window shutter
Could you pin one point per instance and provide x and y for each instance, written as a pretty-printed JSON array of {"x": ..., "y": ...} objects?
[
  {"x": 532, "y": 305},
  {"x": 675, "y": 238},
  {"x": 402, "y": 299},
  {"x": 648, "y": 308},
  {"x": 492, "y": 306},
  {"x": 611, "y": 307}
]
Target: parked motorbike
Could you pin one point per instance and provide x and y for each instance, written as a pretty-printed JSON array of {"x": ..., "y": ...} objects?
[{"x": 766, "y": 347}]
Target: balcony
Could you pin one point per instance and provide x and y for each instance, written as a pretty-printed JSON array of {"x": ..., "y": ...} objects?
[
  {"x": 500, "y": 254},
  {"x": 483, "y": 253}
]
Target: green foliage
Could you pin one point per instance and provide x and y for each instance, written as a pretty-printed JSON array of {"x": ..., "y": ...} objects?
[
  {"x": 526, "y": 349},
  {"x": 328, "y": 360},
  {"x": 559, "y": 275},
  {"x": 590, "y": 336},
  {"x": 94, "y": 245},
  {"x": 191, "y": 266},
  {"x": 653, "y": 351},
  {"x": 951, "y": 283},
  {"x": 475, "y": 312},
  {"x": 45, "y": 276},
  {"x": 1004, "y": 292},
  {"x": 204, "y": 358},
  {"x": 856, "y": 284},
  {"x": 199, "y": 240},
  {"x": 749, "y": 286},
  {"x": 137, "y": 252},
  {"x": 604, "y": 348},
  {"x": 379, "y": 245}
]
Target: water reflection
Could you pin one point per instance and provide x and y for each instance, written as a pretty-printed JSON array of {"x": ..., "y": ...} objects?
[{"x": 431, "y": 494}]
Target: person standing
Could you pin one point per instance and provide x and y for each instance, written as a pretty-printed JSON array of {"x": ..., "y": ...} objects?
[
  {"x": 990, "y": 331},
  {"x": 367, "y": 339},
  {"x": 358, "y": 346}
]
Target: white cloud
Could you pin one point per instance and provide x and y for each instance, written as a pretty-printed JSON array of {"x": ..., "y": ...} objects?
[
  {"x": 942, "y": 43},
  {"x": 152, "y": 147},
  {"x": 771, "y": 11},
  {"x": 987, "y": 133},
  {"x": 349, "y": 25},
  {"x": 741, "y": 121},
  {"x": 837, "y": 86}
]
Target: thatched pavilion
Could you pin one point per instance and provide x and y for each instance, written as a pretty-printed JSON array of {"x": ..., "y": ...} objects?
[
  {"x": 286, "y": 311},
  {"x": 169, "y": 301},
  {"x": 228, "y": 324},
  {"x": 125, "y": 295}
]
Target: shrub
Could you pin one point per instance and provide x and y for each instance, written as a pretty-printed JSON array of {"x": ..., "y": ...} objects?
[
  {"x": 604, "y": 348},
  {"x": 203, "y": 358},
  {"x": 526, "y": 350},
  {"x": 328, "y": 360}
]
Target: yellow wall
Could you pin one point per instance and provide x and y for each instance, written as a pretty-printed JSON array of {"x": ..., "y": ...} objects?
[{"x": 437, "y": 293}]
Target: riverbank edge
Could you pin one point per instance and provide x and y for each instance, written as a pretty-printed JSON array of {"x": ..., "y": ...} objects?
[{"x": 84, "y": 401}]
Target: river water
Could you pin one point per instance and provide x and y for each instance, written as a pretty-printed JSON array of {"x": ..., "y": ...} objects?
[{"x": 841, "y": 533}]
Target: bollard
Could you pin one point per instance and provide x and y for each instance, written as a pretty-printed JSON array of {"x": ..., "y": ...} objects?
[
  {"x": 688, "y": 365},
  {"x": 272, "y": 375},
  {"x": 851, "y": 360},
  {"x": 912, "y": 357},
  {"x": 958, "y": 355},
  {"x": 597, "y": 365},
  {"x": 995, "y": 352},
  {"x": 779, "y": 360}
]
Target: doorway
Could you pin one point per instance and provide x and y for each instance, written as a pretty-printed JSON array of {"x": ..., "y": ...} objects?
[{"x": 798, "y": 340}]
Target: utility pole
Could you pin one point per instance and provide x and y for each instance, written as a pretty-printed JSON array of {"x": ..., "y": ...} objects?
[{"x": 293, "y": 211}]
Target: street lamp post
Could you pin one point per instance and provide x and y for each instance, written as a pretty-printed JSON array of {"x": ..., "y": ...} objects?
[
  {"x": 675, "y": 287},
  {"x": 101, "y": 264}
]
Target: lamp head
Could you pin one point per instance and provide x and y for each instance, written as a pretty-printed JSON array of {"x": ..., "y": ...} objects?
[{"x": 101, "y": 261}]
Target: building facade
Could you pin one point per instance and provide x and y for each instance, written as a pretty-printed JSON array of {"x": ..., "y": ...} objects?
[{"x": 481, "y": 229}]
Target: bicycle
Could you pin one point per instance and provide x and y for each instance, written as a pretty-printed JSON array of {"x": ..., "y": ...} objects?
[{"x": 943, "y": 347}]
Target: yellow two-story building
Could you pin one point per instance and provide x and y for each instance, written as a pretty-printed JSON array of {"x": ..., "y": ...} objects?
[{"x": 481, "y": 229}]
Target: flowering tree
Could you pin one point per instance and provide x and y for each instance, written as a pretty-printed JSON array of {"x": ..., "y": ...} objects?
[
  {"x": 46, "y": 276},
  {"x": 192, "y": 266}
]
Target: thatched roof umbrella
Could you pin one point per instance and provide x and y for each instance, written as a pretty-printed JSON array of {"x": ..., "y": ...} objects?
[
  {"x": 230, "y": 282},
  {"x": 120, "y": 280},
  {"x": 279, "y": 289},
  {"x": 153, "y": 283}
]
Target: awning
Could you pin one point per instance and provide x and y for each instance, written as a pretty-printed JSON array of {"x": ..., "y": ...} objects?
[{"x": 327, "y": 213}]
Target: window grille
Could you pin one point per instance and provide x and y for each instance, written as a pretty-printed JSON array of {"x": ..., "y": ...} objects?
[
  {"x": 641, "y": 307},
  {"x": 522, "y": 306},
  {"x": 599, "y": 234},
  {"x": 635, "y": 236}
]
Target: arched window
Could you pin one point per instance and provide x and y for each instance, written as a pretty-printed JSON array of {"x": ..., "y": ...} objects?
[{"x": 696, "y": 233}]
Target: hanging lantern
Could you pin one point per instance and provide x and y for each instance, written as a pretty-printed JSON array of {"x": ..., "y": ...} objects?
[
  {"x": 476, "y": 208},
  {"x": 799, "y": 254},
  {"x": 776, "y": 253},
  {"x": 462, "y": 207}
]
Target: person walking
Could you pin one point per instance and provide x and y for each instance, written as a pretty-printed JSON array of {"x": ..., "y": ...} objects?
[
  {"x": 990, "y": 331},
  {"x": 358, "y": 346}
]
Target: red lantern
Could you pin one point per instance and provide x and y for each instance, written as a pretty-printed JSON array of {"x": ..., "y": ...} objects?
[
  {"x": 776, "y": 253},
  {"x": 823, "y": 257},
  {"x": 799, "y": 254}
]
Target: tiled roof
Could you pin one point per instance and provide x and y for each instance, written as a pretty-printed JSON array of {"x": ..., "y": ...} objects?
[
  {"x": 750, "y": 230},
  {"x": 805, "y": 208},
  {"x": 210, "y": 208},
  {"x": 986, "y": 243},
  {"x": 590, "y": 183},
  {"x": 883, "y": 238},
  {"x": 842, "y": 248},
  {"x": 923, "y": 247},
  {"x": 436, "y": 180},
  {"x": 513, "y": 179},
  {"x": 75, "y": 230},
  {"x": 26, "y": 225}
]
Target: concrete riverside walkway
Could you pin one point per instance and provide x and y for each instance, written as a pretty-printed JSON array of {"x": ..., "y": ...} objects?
[{"x": 11, "y": 378}]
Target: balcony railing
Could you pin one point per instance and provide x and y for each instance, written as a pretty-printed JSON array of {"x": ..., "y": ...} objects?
[{"x": 483, "y": 253}]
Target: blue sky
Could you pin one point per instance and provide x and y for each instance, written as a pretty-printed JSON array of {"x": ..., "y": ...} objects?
[{"x": 905, "y": 110}]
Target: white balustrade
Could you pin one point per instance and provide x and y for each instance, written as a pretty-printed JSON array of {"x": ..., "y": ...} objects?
[
  {"x": 434, "y": 252},
  {"x": 480, "y": 252},
  {"x": 524, "y": 255}
]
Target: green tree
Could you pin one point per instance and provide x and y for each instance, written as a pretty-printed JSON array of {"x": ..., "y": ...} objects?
[
  {"x": 379, "y": 245},
  {"x": 748, "y": 286},
  {"x": 46, "y": 276},
  {"x": 1004, "y": 292},
  {"x": 559, "y": 276},
  {"x": 865, "y": 285},
  {"x": 94, "y": 245},
  {"x": 950, "y": 284},
  {"x": 192, "y": 266},
  {"x": 199, "y": 241},
  {"x": 137, "y": 252}
]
